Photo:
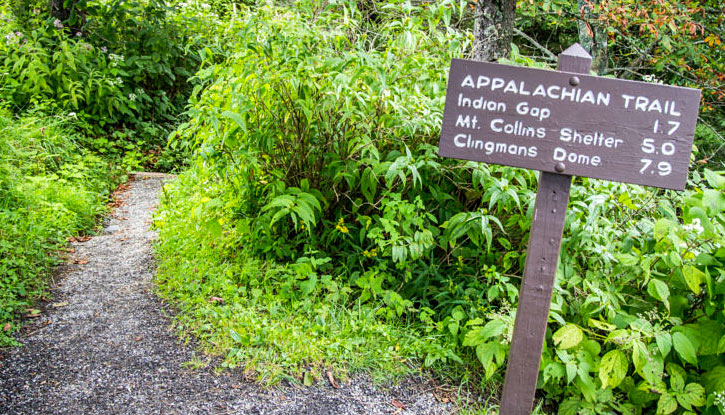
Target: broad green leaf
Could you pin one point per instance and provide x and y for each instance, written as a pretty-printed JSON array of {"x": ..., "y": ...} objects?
[
  {"x": 705, "y": 335},
  {"x": 714, "y": 380},
  {"x": 568, "y": 336},
  {"x": 485, "y": 353},
  {"x": 714, "y": 200},
  {"x": 213, "y": 227},
  {"x": 677, "y": 377},
  {"x": 663, "y": 227},
  {"x": 480, "y": 334},
  {"x": 237, "y": 118},
  {"x": 613, "y": 369},
  {"x": 666, "y": 404},
  {"x": 684, "y": 348},
  {"x": 308, "y": 286},
  {"x": 693, "y": 395},
  {"x": 693, "y": 277},
  {"x": 570, "y": 371},
  {"x": 664, "y": 342},
  {"x": 715, "y": 180},
  {"x": 569, "y": 407},
  {"x": 659, "y": 290}
]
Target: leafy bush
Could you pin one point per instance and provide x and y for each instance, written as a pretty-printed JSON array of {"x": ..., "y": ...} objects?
[
  {"x": 318, "y": 187},
  {"x": 50, "y": 188},
  {"x": 123, "y": 62},
  {"x": 120, "y": 68}
]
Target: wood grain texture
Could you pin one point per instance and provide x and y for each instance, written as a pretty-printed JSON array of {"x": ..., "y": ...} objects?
[{"x": 542, "y": 258}]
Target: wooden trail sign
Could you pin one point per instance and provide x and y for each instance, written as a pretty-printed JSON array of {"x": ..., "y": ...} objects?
[
  {"x": 563, "y": 123},
  {"x": 578, "y": 125}
]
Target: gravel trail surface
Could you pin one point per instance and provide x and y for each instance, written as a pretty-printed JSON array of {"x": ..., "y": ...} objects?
[{"x": 104, "y": 346}]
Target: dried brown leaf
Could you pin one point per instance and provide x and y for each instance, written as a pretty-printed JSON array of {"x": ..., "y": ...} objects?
[
  {"x": 215, "y": 300},
  {"x": 331, "y": 378},
  {"x": 396, "y": 403}
]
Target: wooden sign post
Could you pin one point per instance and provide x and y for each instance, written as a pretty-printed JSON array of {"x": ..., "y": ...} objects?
[{"x": 562, "y": 123}]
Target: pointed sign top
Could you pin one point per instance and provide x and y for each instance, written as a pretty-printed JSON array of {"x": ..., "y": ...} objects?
[{"x": 576, "y": 50}]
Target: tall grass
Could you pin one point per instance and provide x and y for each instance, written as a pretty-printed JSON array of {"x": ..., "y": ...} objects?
[{"x": 50, "y": 188}]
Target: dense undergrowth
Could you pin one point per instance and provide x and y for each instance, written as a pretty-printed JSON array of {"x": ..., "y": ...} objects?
[
  {"x": 50, "y": 188},
  {"x": 318, "y": 229},
  {"x": 85, "y": 99},
  {"x": 121, "y": 69}
]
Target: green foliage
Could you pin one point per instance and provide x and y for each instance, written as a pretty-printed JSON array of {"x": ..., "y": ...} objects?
[
  {"x": 120, "y": 69},
  {"x": 50, "y": 188},
  {"x": 317, "y": 196},
  {"x": 277, "y": 320},
  {"x": 660, "y": 41},
  {"x": 123, "y": 62}
]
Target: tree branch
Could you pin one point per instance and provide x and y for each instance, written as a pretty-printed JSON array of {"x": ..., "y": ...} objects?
[{"x": 549, "y": 55}]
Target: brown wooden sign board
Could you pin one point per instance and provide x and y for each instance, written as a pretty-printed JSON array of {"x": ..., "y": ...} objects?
[
  {"x": 563, "y": 123},
  {"x": 590, "y": 126}
]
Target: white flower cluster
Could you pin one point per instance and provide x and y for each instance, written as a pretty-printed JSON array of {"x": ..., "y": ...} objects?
[
  {"x": 115, "y": 59},
  {"x": 694, "y": 226},
  {"x": 57, "y": 23},
  {"x": 12, "y": 38},
  {"x": 652, "y": 79},
  {"x": 132, "y": 97},
  {"x": 720, "y": 399},
  {"x": 184, "y": 5}
]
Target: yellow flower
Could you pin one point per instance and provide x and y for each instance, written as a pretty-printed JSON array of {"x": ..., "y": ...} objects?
[{"x": 341, "y": 226}]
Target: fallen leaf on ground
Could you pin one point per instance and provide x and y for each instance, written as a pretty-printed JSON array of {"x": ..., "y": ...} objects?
[
  {"x": 332, "y": 380},
  {"x": 6, "y": 327},
  {"x": 80, "y": 261},
  {"x": 398, "y": 404},
  {"x": 79, "y": 238},
  {"x": 61, "y": 304},
  {"x": 124, "y": 239},
  {"x": 215, "y": 300},
  {"x": 138, "y": 339}
]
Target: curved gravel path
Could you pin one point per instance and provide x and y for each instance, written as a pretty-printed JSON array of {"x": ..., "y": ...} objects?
[{"x": 105, "y": 346}]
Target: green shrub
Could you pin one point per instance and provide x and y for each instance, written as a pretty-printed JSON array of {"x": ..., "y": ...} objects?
[
  {"x": 317, "y": 182},
  {"x": 50, "y": 188},
  {"x": 121, "y": 63}
]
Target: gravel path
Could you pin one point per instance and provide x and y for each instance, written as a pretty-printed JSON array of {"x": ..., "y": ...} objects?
[{"x": 105, "y": 346}]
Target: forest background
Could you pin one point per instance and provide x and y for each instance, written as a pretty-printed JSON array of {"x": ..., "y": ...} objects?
[{"x": 313, "y": 227}]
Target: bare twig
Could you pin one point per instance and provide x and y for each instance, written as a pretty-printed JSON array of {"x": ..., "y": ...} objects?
[{"x": 549, "y": 55}]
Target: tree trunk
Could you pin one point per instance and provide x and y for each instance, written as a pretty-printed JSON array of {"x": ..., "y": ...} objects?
[
  {"x": 493, "y": 29},
  {"x": 58, "y": 11},
  {"x": 592, "y": 36}
]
